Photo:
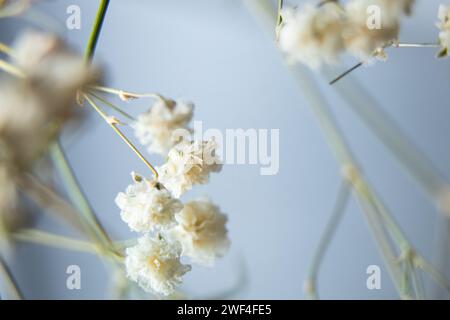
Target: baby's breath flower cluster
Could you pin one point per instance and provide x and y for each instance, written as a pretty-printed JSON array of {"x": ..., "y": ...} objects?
[
  {"x": 170, "y": 228},
  {"x": 189, "y": 163},
  {"x": 155, "y": 128},
  {"x": 36, "y": 99},
  {"x": 315, "y": 35}
]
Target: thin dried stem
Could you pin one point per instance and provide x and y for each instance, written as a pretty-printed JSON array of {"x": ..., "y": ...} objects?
[
  {"x": 128, "y": 95},
  {"x": 347, "y": 72},
  {"x": 416, "y": 45},
  {"x": 113, "y": 122},
  {"x": 325, "y": 240},
  {"x": 112, "y": 105}
]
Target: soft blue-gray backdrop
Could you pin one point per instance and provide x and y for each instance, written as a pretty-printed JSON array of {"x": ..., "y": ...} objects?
[{"x": 216, "y": 54}]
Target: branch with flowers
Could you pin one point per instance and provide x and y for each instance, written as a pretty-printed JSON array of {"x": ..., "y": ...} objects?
[
  {"x": 44, "y": 84},
  {"x": 44, "y": 81}
]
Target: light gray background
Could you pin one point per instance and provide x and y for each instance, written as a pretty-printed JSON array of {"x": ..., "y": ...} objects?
[{"x": 214, "y": 53}]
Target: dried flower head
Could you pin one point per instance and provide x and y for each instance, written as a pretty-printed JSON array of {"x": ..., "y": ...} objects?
[
  {"x": 367, "y": 41},
  {"x": 155, "y": 265},
  {"x": 189, "y": 163},
  {"x": 444, "y": 26},
  {"x": 146, "y": 205},
  {"x": 156, "y": 128},
  {"x": 201, "y": 231},
  {"x": 312, "y": 35}
]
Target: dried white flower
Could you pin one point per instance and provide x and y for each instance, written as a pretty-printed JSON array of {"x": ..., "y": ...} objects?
[
  {"x": 366, "y": 39},
  {"x": 146, "y": 205},
  {"x": 155, "y": 265},
  {"x": 189, "y": 163},
  {"x": 156, "y": 127},
  {"x": 312, "y": 35},
  {"x": 201, "y": 231},
  {"x": 444, "y": 26}
]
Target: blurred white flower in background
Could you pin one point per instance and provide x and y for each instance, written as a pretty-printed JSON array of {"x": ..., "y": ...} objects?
[
  {"x": 312, "y": 35},
  {"x": 146, "y": 205},
  {"x": 316, "y": 35},
  {"x": 34, "y": 108},
  {"x": 155, "y": 128},
  {"x": 201, "y": 231},
  {"x": 364, "y": 42},
  {"x": 155, "y": 265}
]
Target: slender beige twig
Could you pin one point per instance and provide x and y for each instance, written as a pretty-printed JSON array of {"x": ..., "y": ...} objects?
[
  {"x": 127, "y": 95},
  {"x": 113, "y": 122},
  {"x": 112, "y": 105}
]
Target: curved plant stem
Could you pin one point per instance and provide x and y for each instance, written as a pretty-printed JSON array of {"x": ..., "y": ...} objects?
[
  {"x": 95, "y": 33},
  {"x": 8, "y": 277},
  {"x": 325, "y": 240}
]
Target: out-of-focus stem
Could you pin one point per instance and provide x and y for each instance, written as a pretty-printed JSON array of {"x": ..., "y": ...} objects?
[
  {"x": 46, "y": 198},
  {"x": 127, "y": 95},
  {"x": 325, "y": 240},
  {"x": 53, "y": 240},
  {"x": 96, "y": 30},
  {"x": 9, "y": 280},
  {"x": 77, "y": 195},
  {"x": 11, "y": 69}
]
